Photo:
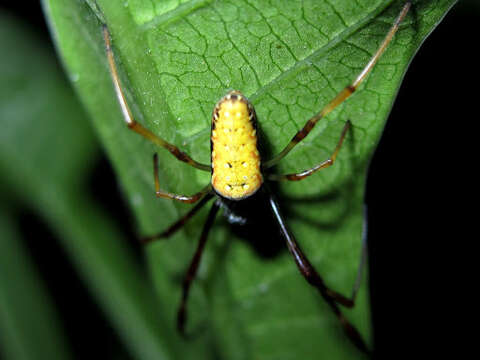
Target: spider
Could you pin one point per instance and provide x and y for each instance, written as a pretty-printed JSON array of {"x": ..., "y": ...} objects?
[{"x": 238, "y": 175}]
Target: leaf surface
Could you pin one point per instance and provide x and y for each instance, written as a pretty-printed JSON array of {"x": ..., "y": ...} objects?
[
  {"x": 47, "y": 150},
  {"x": 176, "y": 59}
]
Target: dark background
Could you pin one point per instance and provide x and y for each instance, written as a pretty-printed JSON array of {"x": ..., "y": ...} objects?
[{"x": 418, "y": 188}]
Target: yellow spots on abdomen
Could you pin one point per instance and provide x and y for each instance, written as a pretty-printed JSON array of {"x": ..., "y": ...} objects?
[{"x": 235, "y": 158}]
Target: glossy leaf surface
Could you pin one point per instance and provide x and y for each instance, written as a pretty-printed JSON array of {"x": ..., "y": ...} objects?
[{"x": 176, "y": 59}]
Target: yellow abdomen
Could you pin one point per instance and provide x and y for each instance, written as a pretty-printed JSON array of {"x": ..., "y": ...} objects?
[{"x": 235, "y": 158}]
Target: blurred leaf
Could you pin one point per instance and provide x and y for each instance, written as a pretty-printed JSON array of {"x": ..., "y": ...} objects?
[
  {"x": 47, "y": 150},
  {"x": 29, "y": 326},
  {"x": 176, "y": 60}
]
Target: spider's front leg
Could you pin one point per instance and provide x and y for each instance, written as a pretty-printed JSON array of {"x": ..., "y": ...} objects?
[
  {"x": 332, "y": 297},
  {"x": 192, "y": 269}
]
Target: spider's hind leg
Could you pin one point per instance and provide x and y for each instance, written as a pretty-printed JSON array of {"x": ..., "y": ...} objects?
[
  {"x": 128, "y": 116},
  {"x": 324, "y": 164},
  {"x": 189, "y": 199},
  {"x": 343, "y": 94}
]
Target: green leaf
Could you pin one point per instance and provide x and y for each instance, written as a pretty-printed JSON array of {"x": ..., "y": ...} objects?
[
  {"x": 176, "y": 59},
  {"x": 47, "y": 149},
  {"x": 29, "y": 327}
]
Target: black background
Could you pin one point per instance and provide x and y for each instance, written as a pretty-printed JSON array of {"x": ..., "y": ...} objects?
[{"x": 419, "y": 183}]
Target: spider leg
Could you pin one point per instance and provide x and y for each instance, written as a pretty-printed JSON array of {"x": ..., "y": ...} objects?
[
  {"x": 128, "y": 117},
  {"x": 179, "y": 223},
  {"x": 342, "y": 95},
  {"x": 182, "y": 198},
  {"x": 192, "y": 269},
  {"x": 332, "y": 297},
  {"x": 324, "y": 164}
]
